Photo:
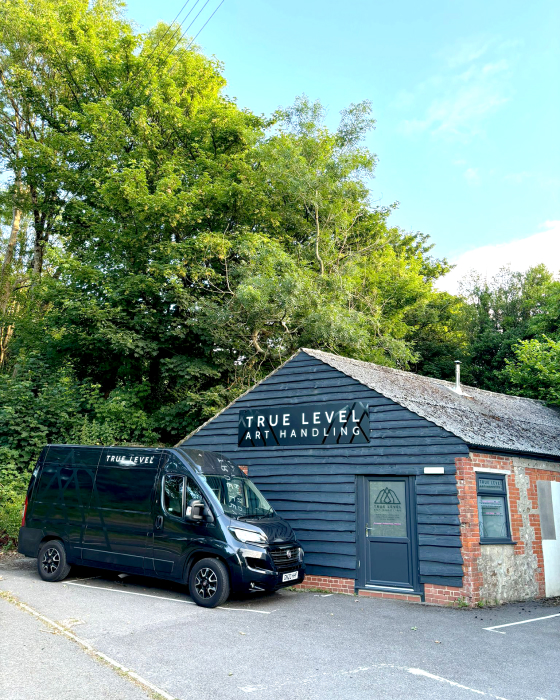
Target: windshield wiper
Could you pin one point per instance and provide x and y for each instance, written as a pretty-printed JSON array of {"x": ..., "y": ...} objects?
[{"x": 254, "y": 516}]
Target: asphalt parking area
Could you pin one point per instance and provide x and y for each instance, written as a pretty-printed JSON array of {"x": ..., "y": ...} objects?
[{"x": 291, "y": 644}]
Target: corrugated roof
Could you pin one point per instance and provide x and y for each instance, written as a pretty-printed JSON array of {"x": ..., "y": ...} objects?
[{"x": 480, "y": 418}]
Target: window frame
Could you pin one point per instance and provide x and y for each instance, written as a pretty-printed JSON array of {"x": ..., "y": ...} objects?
[
  {"x": 184, "y": 501},
  {"x": 183, "y": 504},
  {"x": 493, "y": 492}
]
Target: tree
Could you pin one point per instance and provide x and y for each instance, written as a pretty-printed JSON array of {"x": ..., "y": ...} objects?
[
  {"x": 193, "y": 246},
  {"x": 513, "y": 306},
  {"x": 439, "y": 334},
  {"x": 535, "y": 370}
]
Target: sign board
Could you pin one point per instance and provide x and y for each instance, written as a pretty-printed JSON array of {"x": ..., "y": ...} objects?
[{"x": 327, "y": 423}]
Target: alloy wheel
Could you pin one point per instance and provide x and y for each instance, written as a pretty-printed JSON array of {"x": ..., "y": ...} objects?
[
  {"x": 206, "y": 583},
  {"x": 51, "y": 560}
]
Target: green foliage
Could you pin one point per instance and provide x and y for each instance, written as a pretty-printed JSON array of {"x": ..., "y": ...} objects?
[
  {"x": 512, "y": 307},
  {"x": 535, "y": 371},
  {"x": 438, "y": 330},
  {"x": 173, "y": 249}
]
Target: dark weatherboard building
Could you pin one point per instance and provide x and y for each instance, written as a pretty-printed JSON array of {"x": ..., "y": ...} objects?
[{"x": 400, "y": 485}]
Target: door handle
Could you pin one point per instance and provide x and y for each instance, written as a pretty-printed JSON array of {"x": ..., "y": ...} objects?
[{"x": 159, "y": 522}]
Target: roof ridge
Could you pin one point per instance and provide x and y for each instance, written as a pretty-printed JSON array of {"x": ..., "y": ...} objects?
[{"x": 410, "y": 373}]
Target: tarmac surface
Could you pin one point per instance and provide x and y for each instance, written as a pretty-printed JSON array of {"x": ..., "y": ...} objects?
[{"x": 101, "y": 636}]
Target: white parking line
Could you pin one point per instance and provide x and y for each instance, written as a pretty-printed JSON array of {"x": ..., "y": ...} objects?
[
  {"x": 159, "y": 597},
  {"x": 520, "y": 622},
  {"x": 145, "y": 595},
  {"x": 364, "y": 669}
]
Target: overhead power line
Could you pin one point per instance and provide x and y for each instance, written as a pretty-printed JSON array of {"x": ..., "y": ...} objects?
[
  {"x": 192, "y": 40},
  {"x": 172, "y": 37},
  {"x": 147, "y": 59},
  {"x": 81, "y": 189}
]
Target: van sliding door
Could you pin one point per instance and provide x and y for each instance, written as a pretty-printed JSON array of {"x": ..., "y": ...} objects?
[{"x": 119, "y": 521}]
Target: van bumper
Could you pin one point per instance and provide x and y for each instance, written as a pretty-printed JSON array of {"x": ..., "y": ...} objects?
[
  {"x": 247, "y": 579},
  {"x": 29, "y": 541},
  {"x": 270, "y": 581}
]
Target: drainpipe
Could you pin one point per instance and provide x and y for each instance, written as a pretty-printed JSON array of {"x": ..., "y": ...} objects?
[{"x": 458, "y": 377}]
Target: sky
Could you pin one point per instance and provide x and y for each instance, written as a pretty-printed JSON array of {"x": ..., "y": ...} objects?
[{"x": 466, "y": 96}]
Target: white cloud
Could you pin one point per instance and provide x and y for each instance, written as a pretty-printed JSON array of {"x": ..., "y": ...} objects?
[
  {"x": 520, "y": 255},
  {"x": 472, "y": 176},
  {"x": 466, "y": 51},
  {"x": 525, "y": 177},
  {"x": 470, "y": 88}
]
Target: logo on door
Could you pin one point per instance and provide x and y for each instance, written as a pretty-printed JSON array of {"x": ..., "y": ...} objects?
[{"x": 387, "y": 497}]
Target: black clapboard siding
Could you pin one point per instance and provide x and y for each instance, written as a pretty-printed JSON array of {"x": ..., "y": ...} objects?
[
  {"x": 432, "y": 568},
  {"x": 313, "y": 488},
  {"x": 324, "y": 507},
  {"x": 437, "y": 452},
  {"x": 307, "y": 464},
  {"x": 447, "y": 555},
  {"x": 455, "y": 581},
  {"x": 317, "y": 524},
  {"x": 309, "y": 479},
  {"x": 438, "y": 509},
  {"x": 327, "y": 547},
  {"x": 302, "y": 486},
  {"x": 326, "y": 536},
  {"x": 349, "y": 517},
  {"x": 437, "y": 489},
  {"x": 427, "y": 500},
  {"x": 341, "y": 561},
  {"x": 445, "y": 530},
  {"x": 439, "y": 540},
  {"x": 321, "y": 497},
  {"x": 333, "y": 571},
  {"x": 437, "y": 519},
  {"x": 431, "y": 479}
]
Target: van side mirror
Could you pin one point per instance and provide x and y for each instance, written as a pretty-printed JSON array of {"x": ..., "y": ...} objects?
[{"x": 195, "y": 510}]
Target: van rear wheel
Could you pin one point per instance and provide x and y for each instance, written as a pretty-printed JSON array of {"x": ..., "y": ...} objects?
[
  {"x": 51, "y": 561},
  {"x": 209, "y": 583}
]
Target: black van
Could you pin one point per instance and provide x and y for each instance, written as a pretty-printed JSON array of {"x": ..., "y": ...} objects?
[{"x": 180, "y": 514}]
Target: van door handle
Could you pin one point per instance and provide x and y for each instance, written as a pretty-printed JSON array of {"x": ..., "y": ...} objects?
[{"x": 159, "y": 522}]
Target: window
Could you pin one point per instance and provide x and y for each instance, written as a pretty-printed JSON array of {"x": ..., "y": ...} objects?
[
  {"x": 193, "y": 491},
  {"x": 492, "y": 508},
  {"x": 173, "y": 486},
  {"x": 239, "y": 497}
]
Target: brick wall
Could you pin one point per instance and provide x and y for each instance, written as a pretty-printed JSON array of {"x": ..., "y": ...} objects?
[
  {"x": 329, "y": 583},
  {"x": 499, "y": 572}
]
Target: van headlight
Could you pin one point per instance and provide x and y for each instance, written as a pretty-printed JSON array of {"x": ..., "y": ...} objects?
[
  {"x": 300, "y": 554},
  {"x": 247, "y": 535}
]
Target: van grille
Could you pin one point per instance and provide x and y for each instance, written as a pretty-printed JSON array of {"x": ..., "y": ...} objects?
[{"x": 282, "y": 561}]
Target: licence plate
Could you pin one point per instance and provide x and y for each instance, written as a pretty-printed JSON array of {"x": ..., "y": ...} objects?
[{"x": 290, "y": 577}]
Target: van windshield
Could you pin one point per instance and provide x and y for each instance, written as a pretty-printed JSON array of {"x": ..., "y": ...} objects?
[{"x": 239, "y": 497}]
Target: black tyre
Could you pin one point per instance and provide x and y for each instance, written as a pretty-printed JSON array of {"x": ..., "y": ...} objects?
[
  {"x": 209, "y": 583},
  {"x": 51, "y": 561}
]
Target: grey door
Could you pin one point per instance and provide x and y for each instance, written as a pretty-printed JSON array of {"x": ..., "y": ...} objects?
[{"x": 387, "y": 543}]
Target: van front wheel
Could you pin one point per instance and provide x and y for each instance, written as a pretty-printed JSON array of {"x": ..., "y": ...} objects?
[
  {"x": 209, "y": 583},
  {"x": 51, "y": 561}
]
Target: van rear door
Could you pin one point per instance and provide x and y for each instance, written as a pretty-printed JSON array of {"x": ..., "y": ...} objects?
[
  {"x": 61, "y": 498},
  {"x": 119, "y": 520}
]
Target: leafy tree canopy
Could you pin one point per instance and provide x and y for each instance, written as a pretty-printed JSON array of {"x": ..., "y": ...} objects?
[{"x": 164, "y": 249}]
